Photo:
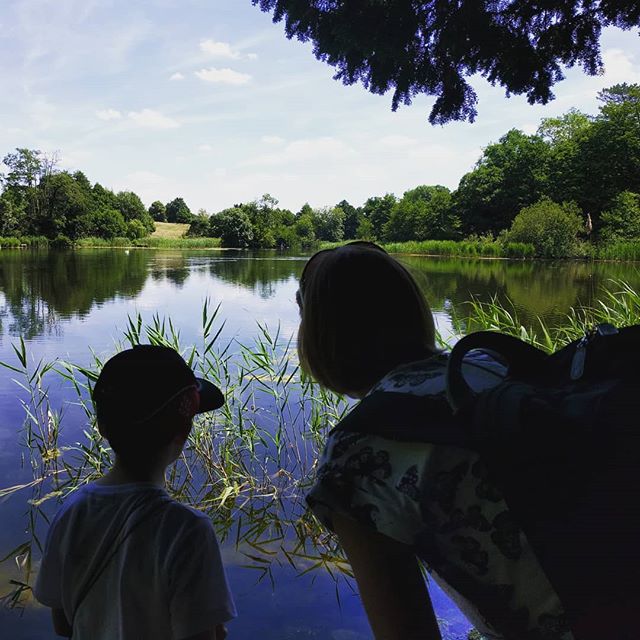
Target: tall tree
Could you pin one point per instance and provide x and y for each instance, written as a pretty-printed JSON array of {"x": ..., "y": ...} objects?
[
  {"x": 158, "y": 211},
  {"x": 352, "y": 218},
  {"x": 510, "y": 175},
  {"x": 425, "y": 212},
  {"x": 431, "y": 47},
  {"x": 377, "y": 210},
  {"x": 178, "y": 211},
  {"x": 132, "y": 208}
]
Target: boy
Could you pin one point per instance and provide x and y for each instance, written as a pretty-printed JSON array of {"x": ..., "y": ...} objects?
[{"x": 123, "y": 561}]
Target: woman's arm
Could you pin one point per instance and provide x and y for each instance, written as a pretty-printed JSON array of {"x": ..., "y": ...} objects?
[{"x": 391, "y": 585}]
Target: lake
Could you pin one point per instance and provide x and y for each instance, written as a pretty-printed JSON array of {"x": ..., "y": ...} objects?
[{"x": 74, "y": 305}]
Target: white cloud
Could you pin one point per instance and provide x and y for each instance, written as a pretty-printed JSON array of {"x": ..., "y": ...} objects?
[
  {"x": 205, "y": 148},
  {"x": 619, "y": 67},
  {"x": 223, "y": 76},
  {"x": 177, "y": 76},
  {"x": 218, "y": 49},
  {"x": 272, "y": 140},
  {"x": 252, "y": 56},
  {"x": 109, "y": 114},
  {"x": 324, "y": 149},
  {"x": 397, "y": 141},
  {"x": 152, "y": 119}
]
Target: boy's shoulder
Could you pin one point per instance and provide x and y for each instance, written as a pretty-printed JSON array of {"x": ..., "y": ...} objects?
[{"x": 100, "y": 499}]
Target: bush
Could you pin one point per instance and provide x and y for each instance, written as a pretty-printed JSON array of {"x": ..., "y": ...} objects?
[
  {"x": 233, "y": 227},
  {"x": 10, "y": 243},
  {"x": 136, "y": 229},
  {"x": 61, "y": 242},
  {"x": 550, "y": 227},
  {"x": 108, "y": 223}
]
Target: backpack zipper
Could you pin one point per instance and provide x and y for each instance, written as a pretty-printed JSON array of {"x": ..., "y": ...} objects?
[{"x": 579, "y": 357}]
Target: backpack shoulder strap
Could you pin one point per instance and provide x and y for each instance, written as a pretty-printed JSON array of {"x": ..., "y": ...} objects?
[
  {"x": 406, "y": 417},
  {"x": 519, "y": 357}
]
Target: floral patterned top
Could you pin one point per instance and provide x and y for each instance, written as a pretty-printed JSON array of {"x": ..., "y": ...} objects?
[{"x": 438, "y": 500}]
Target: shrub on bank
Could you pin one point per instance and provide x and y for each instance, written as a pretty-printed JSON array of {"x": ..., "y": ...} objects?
[
  {"x": 9, "y": 243},
  {"x": 61, "y": 242},
  {"x": 619, "y": 251}
]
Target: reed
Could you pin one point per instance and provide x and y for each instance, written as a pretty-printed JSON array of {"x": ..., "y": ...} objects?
[
  {"x": 249, "y": 464},
  {"x": 455, "y": 248}
]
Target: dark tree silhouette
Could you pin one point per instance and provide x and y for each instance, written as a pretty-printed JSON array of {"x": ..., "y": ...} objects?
[{"x": 416, "y": 47}]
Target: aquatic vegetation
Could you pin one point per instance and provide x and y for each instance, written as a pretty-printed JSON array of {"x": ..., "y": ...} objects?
[{"x": 247, "y": 465}]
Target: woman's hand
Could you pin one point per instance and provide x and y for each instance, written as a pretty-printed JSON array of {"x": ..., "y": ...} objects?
[{"x": 391, "y": 584}]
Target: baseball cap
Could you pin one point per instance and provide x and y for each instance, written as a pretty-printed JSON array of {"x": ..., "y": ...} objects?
[{"x": 136, "y": 384}]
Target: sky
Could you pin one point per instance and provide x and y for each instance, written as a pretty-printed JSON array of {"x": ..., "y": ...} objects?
[{"x": 207, "y": 100}]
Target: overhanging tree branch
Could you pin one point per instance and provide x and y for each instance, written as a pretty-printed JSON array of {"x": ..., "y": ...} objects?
[{"x": 412, "y": 47}]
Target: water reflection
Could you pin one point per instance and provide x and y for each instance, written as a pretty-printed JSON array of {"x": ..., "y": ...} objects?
[{"x": 41, "y": 289}]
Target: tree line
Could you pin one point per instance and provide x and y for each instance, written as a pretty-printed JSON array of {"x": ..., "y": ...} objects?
[
  {"x": 573, "y": 183},
  {"x": 38, "y": 199}
]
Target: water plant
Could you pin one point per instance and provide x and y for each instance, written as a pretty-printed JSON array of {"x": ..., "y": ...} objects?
[{"x": 249, "y": 464}]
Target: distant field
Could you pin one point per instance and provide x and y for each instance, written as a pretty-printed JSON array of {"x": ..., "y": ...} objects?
[{"x": 171, "y": 230}]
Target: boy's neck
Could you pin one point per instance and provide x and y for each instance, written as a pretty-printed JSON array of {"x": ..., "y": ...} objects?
[{"x": 119, "y": 474}]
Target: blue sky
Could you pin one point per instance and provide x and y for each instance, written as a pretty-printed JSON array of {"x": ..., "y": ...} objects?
[{"x": 207, "y": 99}]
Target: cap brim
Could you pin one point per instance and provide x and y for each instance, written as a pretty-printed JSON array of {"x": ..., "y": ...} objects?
[{"x": 210, "y": 396}]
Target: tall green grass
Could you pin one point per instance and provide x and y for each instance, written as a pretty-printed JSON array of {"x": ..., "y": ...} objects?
[
  {"x": 619, "y": 251},
  {"x": 247, "y": 465},
  {"x": 454, "y": 248},
  {"x": 150, "y": 242}
]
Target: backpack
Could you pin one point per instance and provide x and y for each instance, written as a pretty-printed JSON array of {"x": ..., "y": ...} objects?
[{"x": 560, "y": 437}]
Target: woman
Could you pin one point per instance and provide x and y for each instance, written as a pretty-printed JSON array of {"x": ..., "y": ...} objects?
[{"x": 396, "y": 504}]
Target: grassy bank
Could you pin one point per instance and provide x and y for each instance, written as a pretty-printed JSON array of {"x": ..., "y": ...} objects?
[
  {"x": 171, "y": 230},
  {"x": 622, "y": 251},
  {"x": 453, "y": 248},
  {"x": 151, "y": 242}
]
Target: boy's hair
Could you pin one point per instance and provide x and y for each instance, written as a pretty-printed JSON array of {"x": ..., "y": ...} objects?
[
  {"x": 144, "y": 397},
  {"x": 362, "y": 315}
]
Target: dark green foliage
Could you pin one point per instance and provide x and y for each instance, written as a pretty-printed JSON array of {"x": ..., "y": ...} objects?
[
  {"x": 40, "y": 200},
  {"x": 622, "y": 220},
  {"x": 132, "y": 208},
  {"x": 61, "y": 242},
  {"x": 378, "y": 211},
  {"x": 199, "y": 226},
  {"x": 414, "y": 48},
  {"x": 178, "y": 211},
  {"x": 510, "y": 175},
  {"x": 108, "y": 223},
  {"x": 423, "y": 213},
  {"x": 352, "y": 217},
  {"x": 158, "y": 211},
  {"x": 550, "y": 227},
  {"x": 233, "y": 227},
  {"x": 593, "y": 161},
  {"x": 136, "y": 229},
  {"x": 328, "y": 224}
]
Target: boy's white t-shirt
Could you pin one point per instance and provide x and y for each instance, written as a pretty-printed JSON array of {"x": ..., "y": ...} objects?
[{"x": 165, "y": 581}]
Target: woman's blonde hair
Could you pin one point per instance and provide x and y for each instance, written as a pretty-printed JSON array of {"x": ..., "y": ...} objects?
[{"x": 362, "y": 315}]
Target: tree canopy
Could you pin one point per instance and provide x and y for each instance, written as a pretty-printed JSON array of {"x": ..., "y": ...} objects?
[{"x": 415, "y": 47}]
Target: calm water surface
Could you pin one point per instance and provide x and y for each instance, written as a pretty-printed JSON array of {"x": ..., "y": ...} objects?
[{"x": 68, "y": 304}]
